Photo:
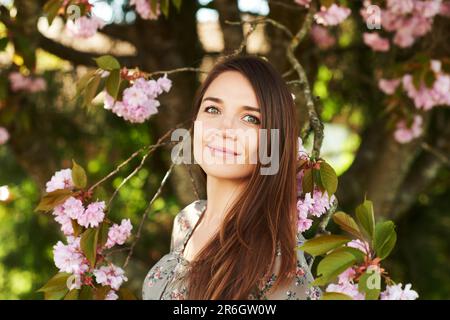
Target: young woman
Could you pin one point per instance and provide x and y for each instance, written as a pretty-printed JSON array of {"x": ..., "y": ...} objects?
[{"x": 240, "y": 242}]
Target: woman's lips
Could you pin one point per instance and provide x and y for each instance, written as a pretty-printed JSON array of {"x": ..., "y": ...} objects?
[{"x": 223, "y": 150}]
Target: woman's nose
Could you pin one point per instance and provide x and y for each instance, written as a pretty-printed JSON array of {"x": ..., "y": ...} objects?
[{"x": 228, "y": 129}]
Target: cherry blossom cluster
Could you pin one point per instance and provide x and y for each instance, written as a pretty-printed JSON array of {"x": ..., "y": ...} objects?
[
  {"x": 85, "y": 26},
  {"x": 407, "y": 19},
  {"x": 346, "y": 283},
  {"x": 4, "y": 135},
  {"x": 139, "y": 101},
  {"x": 69, "y": 257},
  {"x": 19, "y": 82},
  {"x": 424, "y": 98},
  {"x": 309, "y": 205},
  {"x": 144, "y": 9},
  {"x": 326, "y": 17}
]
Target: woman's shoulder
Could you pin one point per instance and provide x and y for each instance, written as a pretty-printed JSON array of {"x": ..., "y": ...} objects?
[{"x": 184, "y": 221}]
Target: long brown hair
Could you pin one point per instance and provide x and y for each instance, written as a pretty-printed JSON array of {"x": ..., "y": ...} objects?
[{"x": 239, "y": 258}]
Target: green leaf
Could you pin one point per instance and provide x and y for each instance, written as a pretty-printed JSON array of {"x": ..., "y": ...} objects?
[
  {"x": 107, "y": 62},
  {"x": 370, "y": 284},
  {"x": 77, "y": 229},
  {"x": 52, "y": 199},
  {"x": 358, "y": 254},
  {"x": 335, "y": 263},
  {"x": 3, "y": 43},
  {"x": 51, "y": 9},
  {"x": 4, "y": 84},
  {"x": 365, "y": 218},
  {"x": 99, "y": 293},
  {"x": 123, "y": 85},
  {"x": 318, "y": 179},
  {"x": 328, "y": 177},
  {"x": 91, "y": 90},
  {"x": 88, "y": 243},
  {"x": 55, "y": 295},
  {"x": 78, "y": 175},
  {"x": 113, "y": 83},
  {"x": 86, "y": 293},
  {"x": 72, "y": 295},
  {"x": 103, "y": 234},
  {"x": 126, "y": 294},
  {"x": 154, "y": 5},
  {"x": 56, "y": 288},
  {"x": 83, "y": 81},
  {"x": 323, "y": 244},
  {"x": 335, "y": 296},
  {"x": 347, "y": 223},
  {"x": 384, "y": 239},
  {"x": 429, "y": 78},
  {"x": 417, "y": 79},
  {"x": 164, "y": 5},
  {"x": 177, "y": 4},
  {"x": 307, "y": 181}
]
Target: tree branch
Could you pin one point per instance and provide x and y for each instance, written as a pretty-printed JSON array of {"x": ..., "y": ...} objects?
[{"x": 78, "y": 57}]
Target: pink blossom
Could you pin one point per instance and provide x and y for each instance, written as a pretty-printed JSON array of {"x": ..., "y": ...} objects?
[
  {"x": 73, "y": 208},
  {"x": 388, "y": 86},
  {"x": 62, "y": 179},
  {"x": 426, "y": 98},
  {"x": 304, "y": 3},
  {"x": 26, "y": 83},
  {"x": 396, "y": 292},
  {"x": 400, "y": 6},
  {"x": 118, "y": 234},
  {"x": 139, "y": 101},
  {"x": 332, "y": 16},
  {"x": 304, "y": 206},
  {"x": 322, "y": 202},
  {"x": 347, "y": 275},
  {"x": 360, "y": 245},
  {"x": 144, "y": 9},
  {"x": 347, "y": 288},
  {"x": 302, "y": 153},
  {"x": 111, "y": 295},
  {"x": 63, "y": 219},
  {"x": 444, "y": 9},
  {"x": 164, "y": 83},
  {"x": 376, "y": 42},
  {"x": 4, "y": 135},
  {"x": 404, "y": 134},
  {"x": 322, "y": 37},
  {"x": 111, "y": 275},
  {"x": 93, "y": 215},
  {"x": 435, "y": 66},
  {"x": 68, "y": 258},
  {"x": 84, "y": 27},
  {"x": 427, "y": 9}
]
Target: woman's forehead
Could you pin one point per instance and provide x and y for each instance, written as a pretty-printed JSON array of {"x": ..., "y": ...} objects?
[{"x": 232, "y": 88}]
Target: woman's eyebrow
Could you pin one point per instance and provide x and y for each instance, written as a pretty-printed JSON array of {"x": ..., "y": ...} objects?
[{"x": 218, "y": 100}]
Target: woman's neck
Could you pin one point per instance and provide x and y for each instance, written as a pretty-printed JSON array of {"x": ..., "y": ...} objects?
[{"x": 221, "y": 194}]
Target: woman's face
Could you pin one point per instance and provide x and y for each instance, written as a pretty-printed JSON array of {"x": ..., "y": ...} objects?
[{"x": 228, "y": 118}]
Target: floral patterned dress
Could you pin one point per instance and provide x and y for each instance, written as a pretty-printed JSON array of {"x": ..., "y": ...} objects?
[{"x": 166, "y": 279}]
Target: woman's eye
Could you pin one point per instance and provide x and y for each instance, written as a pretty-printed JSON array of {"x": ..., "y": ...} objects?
[
  {"x": 252, "y": 119},
  {"x": 211, "y": 108}
]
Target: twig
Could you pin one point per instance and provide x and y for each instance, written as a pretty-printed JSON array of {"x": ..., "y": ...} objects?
[
  {"x": 442, "y": 157},
  {"x": 323, "y": 224},
  {"x": 263, "y": 20},
  {"x": 147, "y": 210},
  {"x": 314, "y": 119}
]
